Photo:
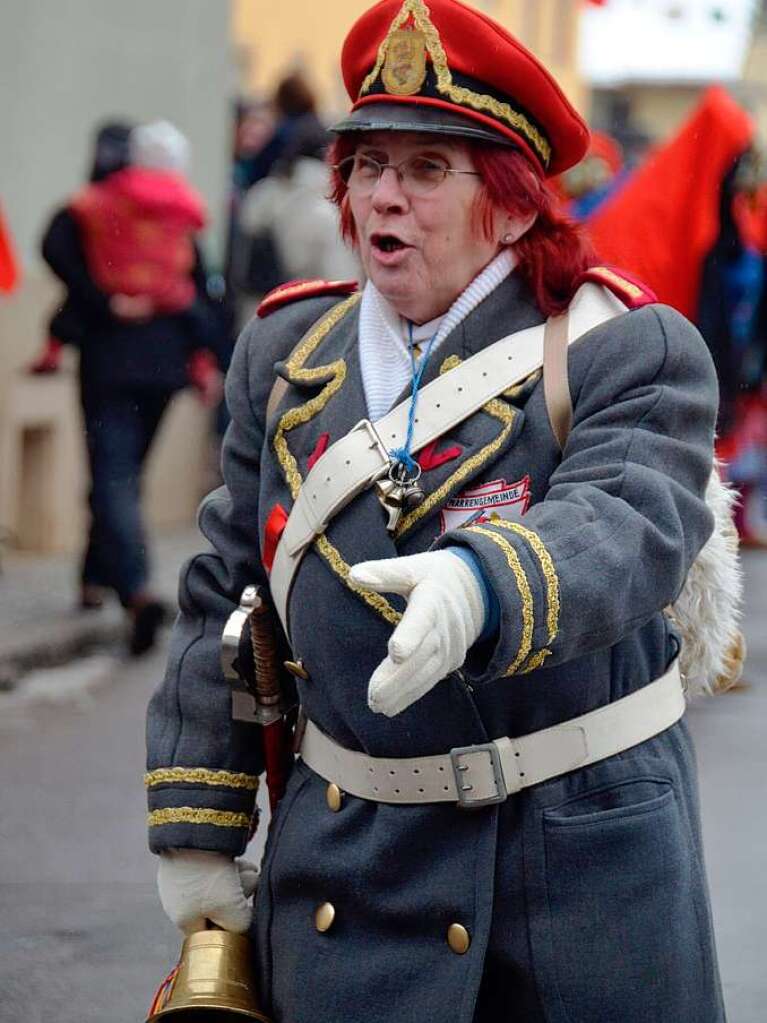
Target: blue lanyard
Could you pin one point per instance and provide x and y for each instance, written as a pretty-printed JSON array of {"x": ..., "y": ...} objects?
[{"x": 402, "y": 455}]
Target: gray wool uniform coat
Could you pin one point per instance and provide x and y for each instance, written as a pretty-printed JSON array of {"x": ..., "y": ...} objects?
[{"x": 584, "y": 897}]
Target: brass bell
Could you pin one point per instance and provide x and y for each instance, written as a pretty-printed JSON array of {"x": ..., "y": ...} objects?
[
  {"x": 213, "y": 981},
  {"x": 413, "y": 496}
]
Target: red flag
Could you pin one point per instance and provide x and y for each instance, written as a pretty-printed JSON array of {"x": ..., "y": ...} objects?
[
  {"x": 662, "y": 224},
  {"x": 751, "y": 217},
  {"x": 9, "y": 268}
]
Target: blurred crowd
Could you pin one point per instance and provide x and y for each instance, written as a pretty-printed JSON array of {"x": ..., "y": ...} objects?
[{"x": 282, "y": 226}]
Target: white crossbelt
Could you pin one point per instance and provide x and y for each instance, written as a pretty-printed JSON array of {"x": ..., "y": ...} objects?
[
  {"x": 357, "y": 460},
  {"x": 475, "y": 776}
]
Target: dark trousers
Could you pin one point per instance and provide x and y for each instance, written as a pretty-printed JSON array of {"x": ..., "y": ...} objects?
[{"x": 120, "y": 426}]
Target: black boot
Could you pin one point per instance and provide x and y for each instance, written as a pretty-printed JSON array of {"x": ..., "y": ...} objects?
[{"x": 147, "y": 619}]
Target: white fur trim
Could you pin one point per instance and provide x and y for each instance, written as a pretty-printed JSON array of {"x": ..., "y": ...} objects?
[{"x": 708, "y": 609}]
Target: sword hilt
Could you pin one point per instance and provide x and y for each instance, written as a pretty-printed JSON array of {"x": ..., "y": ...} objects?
[{"x": 266, "y": 659}]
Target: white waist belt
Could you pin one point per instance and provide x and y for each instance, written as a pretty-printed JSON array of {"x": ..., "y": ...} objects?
[{"x": 487, "y": 773}]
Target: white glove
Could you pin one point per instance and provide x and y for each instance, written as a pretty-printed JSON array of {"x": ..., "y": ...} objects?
[
  {"x": 196, "y": 885},
  {"x": 444, "y": 617}
]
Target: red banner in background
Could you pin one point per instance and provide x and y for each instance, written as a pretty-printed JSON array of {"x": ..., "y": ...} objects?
[
  {"x": 9, "y": 268},
  {"x": 663, "y": 222}
]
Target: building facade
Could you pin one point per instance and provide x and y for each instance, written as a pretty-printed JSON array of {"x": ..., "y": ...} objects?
[
  {"x": 648, "y": 63},
  {"x": 309, "y": 36},
  {"x": 64, "y": 69}
]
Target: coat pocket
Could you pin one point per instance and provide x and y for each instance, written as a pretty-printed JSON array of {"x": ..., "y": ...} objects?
[{"x": 624, "y": 910}]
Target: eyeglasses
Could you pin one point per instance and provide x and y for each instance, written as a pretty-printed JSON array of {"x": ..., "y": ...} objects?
[{"x": 418, "y": 175}]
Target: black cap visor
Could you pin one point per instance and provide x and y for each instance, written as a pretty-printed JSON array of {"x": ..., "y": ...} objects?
[{"x": 418, "y": 117}]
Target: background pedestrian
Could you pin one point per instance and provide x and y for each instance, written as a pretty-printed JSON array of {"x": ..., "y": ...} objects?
[{"x": 138, "y": 310}]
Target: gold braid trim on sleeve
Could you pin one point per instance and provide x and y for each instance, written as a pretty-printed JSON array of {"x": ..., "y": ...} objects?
[
  {"x": 525, "y": 593},
  {"x": 549, "y": 572},
  {"x": 193, "y": 815},
  {"x": 200, "y": 776},
  {"x": 535, "y": 661}
]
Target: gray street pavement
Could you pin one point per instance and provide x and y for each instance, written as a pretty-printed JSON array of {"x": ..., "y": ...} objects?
[
  {"x": 40, "y": 623},
  {"x": 83, "y": 938},
  {"x": 732, "y": 755}
]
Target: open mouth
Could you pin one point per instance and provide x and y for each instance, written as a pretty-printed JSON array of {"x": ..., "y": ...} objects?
[{"x": 387, "y": 242}]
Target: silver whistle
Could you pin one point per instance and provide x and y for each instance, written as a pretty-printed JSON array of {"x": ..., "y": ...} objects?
[{"x": 399, "y": 492}]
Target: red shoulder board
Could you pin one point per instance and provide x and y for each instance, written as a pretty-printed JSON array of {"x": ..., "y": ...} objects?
[
  {"x": 294, "y": 290},
  {"x": 625, "y": 286}
]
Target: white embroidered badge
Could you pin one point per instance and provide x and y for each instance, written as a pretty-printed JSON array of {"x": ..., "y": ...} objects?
[{"x": 497, "y": 499}]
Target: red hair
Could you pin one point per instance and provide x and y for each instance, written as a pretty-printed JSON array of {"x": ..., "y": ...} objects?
[{"x": 552, "y": 254}]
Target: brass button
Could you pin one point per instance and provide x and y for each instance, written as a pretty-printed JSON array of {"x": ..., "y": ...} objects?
[
  {"x": 458, "y": 939},
  {"x": 324, "y": 917},
  {"x": 335, "y": 797},
  {"x": 297, "y": 668}
]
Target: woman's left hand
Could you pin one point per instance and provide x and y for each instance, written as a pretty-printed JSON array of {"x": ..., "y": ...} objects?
[{"x": 443, "y": 619}]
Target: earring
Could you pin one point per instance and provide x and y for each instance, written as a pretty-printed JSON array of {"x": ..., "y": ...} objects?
[{"x": 508, "y": 239}]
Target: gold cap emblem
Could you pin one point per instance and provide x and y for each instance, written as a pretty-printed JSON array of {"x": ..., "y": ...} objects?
[{"x": 404, "y": 70}]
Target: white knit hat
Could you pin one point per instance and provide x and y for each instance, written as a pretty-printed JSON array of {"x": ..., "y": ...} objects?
[{"x": 159, "y": 145}]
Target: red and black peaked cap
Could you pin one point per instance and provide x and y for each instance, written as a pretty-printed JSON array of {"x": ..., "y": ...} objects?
[{"x": 439, "y": 66}]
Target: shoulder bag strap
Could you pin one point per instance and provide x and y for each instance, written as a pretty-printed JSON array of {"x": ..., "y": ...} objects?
[{"x": 556, "y": 386}]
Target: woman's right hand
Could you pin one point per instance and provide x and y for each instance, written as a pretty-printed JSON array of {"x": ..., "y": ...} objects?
[{"x": 196, "y": 885}]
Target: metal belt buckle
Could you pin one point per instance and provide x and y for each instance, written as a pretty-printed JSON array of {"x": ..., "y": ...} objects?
[
  {"x": 459, "y": 757},
  {"x": 375, "y": 442}
]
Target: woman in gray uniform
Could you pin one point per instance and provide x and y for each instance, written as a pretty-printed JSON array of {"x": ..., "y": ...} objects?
[{"x": 493, "y": 814}]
